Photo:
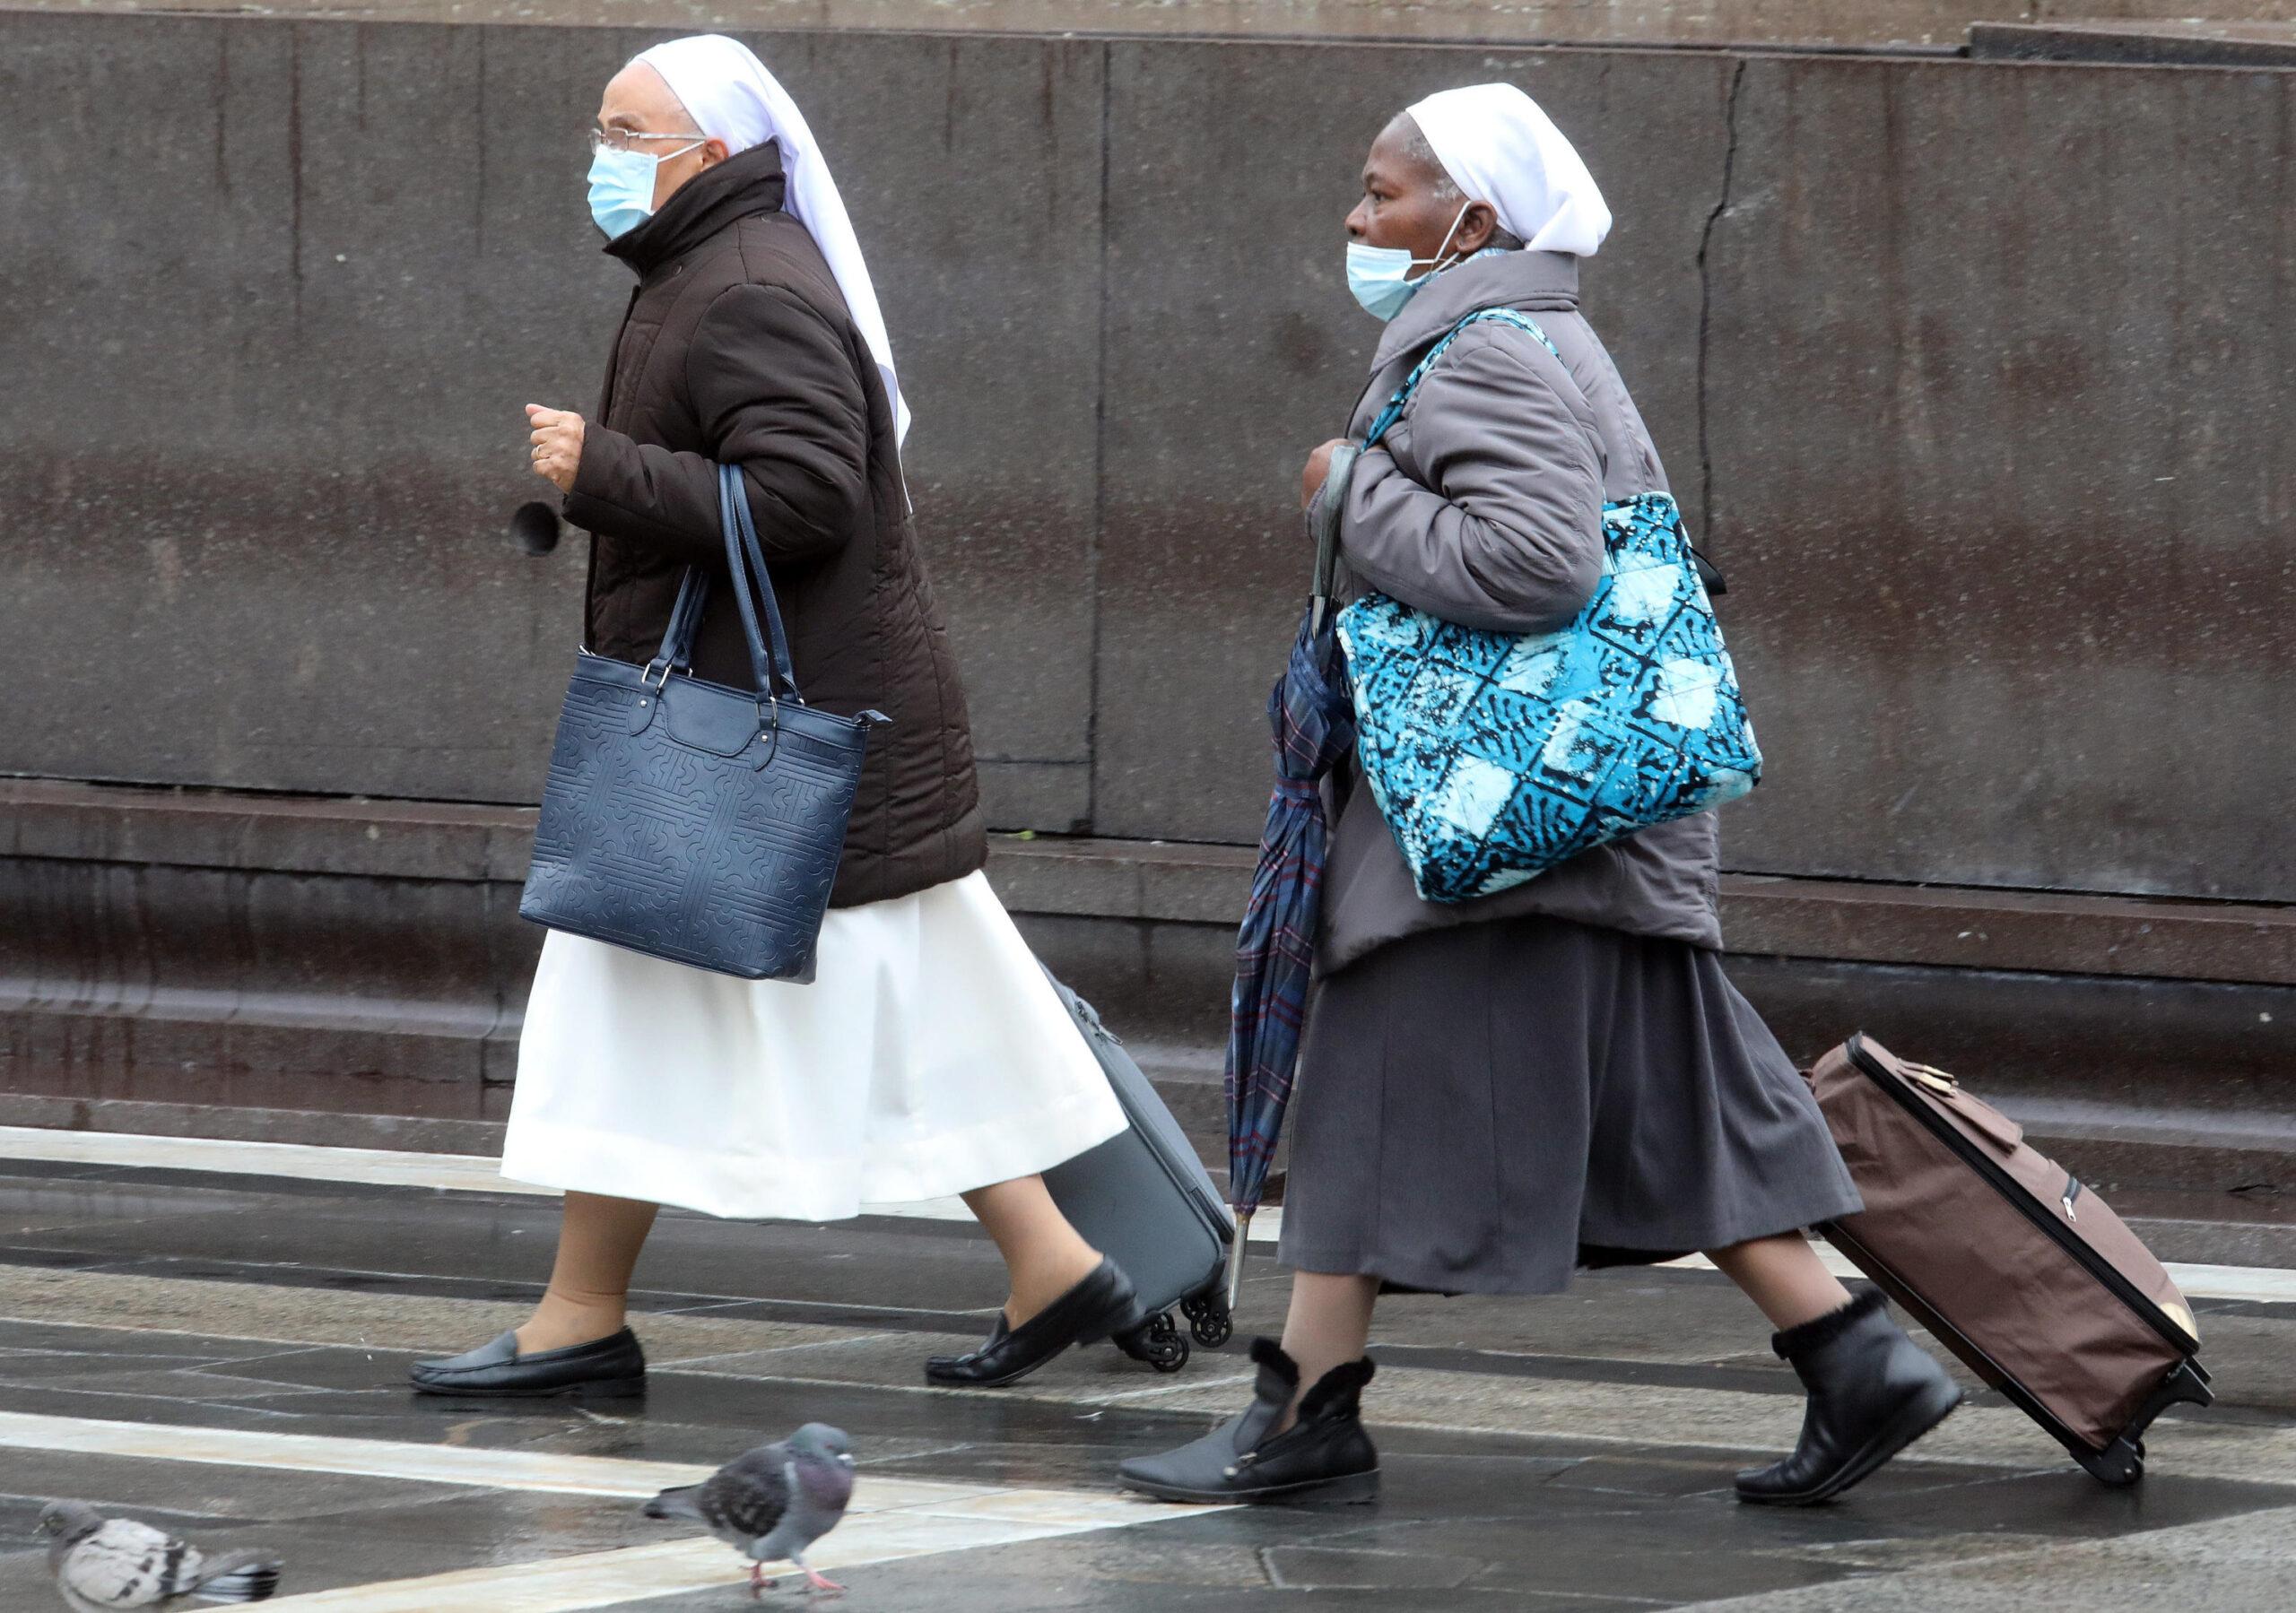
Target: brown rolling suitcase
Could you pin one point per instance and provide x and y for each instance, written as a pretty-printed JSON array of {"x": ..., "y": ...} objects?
[{"x": 2007, "y": 1259}]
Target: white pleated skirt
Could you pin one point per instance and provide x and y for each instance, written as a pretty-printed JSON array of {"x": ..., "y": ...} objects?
[{"x": 929, "y": 1056}]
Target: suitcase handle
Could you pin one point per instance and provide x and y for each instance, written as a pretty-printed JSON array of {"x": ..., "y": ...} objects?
[
  {"x": 1995, "y": 1127},
  {"x": 1943, "y": 1085}
]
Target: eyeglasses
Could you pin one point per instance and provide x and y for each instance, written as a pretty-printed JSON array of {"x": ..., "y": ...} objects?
[{"x": 626, "y": 140}]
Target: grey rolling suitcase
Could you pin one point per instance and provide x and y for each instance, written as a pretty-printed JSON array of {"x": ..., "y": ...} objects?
[{"x": 1144, "y": 1199}]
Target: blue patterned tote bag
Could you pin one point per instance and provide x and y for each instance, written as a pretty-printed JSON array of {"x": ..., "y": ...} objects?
[{"x": 1495, "y": 756}]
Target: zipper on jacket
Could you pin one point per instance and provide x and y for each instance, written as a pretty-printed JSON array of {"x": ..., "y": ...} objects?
[{"x": 2008, "y": 1186}]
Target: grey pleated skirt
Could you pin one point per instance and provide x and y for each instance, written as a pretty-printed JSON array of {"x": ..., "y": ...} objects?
[{"x": 1481, "y": 1109}]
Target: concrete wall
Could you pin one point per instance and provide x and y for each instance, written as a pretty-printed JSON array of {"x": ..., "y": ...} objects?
[
  {"x": 2000, "y": 425},
  {"x": 1935, "y": 24},
  {"x": 1973, "y": 373}
]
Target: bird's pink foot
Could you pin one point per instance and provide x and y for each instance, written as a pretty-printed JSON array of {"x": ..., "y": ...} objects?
[
  {"x": 759, "y": 1583},
  {"x": 821, "y": 1582}
]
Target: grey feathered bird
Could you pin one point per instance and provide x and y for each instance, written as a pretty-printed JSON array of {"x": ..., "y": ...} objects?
[
  {"x": 101, "y": 1564},
  {"x": 773, "y": 1503}
]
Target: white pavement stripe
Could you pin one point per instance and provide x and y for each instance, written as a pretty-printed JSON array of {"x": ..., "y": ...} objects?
[
  {"x": 2266, "y": 1284},
  {"x": 605, "y": 1579},
  {"x": 454, "y": 1172},
  {"x": 464, "y": 1173},
  {"x": 371, "y": 1167},
  {"x": 597, "y": 1579},
  {"x": 364, "y": 1458},
  {"x": 891, "y": 1518},
  {"x": 541, "y": 1471},
  {"x": 1835, "y": 1261},
  {"x": 2262, "y": 1284}
]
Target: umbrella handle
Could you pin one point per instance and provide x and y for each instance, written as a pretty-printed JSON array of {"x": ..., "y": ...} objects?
[
  {"x": 1236, "y": 1258},
  {"x": 1322, "y": 519}
]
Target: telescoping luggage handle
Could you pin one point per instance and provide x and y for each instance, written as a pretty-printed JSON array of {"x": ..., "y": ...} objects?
[{"x": 774, "y": 676}]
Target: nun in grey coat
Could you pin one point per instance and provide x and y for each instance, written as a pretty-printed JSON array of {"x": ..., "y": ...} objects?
[{"x": 1494, "y": 1093}]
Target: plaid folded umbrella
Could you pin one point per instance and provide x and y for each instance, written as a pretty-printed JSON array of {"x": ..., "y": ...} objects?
[{"x": 1314, "y": 725}]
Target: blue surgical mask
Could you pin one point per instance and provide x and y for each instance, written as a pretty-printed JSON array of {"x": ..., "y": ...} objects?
[
  {"x": 1380, "y": 276},
  {"x": 621, "y": 188}
]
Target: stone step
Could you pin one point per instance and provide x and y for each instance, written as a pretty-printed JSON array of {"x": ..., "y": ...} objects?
[{"x": 346, "y": 971}]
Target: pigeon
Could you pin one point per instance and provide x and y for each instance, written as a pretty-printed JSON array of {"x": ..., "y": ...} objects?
[
  {"x": 773, "y": 1503},
  {"x": 101, "y": 1564}
]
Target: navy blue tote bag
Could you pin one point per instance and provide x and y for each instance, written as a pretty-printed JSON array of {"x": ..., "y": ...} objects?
[{"x": 688, "y": 821}]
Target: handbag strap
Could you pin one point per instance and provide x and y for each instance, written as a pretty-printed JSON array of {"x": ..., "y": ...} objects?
[
  {"x": 752, "y": 586},
  {"x": 1708, "y": 573},
  {"x": 770, "y": 667},
  {"x": 1327, "y": 519},
  {"x": 685, "y": 617},
  {"x": 1394, "y": 410}
]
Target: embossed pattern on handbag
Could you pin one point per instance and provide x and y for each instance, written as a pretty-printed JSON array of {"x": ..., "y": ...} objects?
[
  {"x": 1493, "y": 757},
  {"x": 691, "y": 822}
]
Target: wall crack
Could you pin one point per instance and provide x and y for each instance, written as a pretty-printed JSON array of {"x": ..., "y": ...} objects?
[{"x": 1706, "y": 298}]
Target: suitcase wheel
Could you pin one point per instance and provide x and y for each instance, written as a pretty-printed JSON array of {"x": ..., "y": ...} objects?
[
  {"x": 1208, "y": 1318},
  {"x": 1157, "y": 1341},
  {"x": 2122, "y": 1462},
  {"x": 2119, "y": 1464}
]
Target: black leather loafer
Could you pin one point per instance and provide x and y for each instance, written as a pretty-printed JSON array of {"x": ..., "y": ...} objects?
[
  {"x": 604, "y": 1368},
  {"x": 1324, "y": 1456},
  {"x": 1101, "y": 1305}
]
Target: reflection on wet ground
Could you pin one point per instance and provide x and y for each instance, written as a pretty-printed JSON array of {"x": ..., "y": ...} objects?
[{"x": 1567, "y": 1451}]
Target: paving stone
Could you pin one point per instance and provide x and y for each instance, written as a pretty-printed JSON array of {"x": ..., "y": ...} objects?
[
  {"x": 2232, "y": 1565},
  {"x": 1567, "y": 1451}
]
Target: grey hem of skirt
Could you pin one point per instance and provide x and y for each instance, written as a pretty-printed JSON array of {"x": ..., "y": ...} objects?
[
  {"x": 1405, "y": 1275},
  {"x": 1481, "y": 1108}
]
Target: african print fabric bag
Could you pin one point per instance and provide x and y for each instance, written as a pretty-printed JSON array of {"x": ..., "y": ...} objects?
[{"x": 1493, "y": 757}]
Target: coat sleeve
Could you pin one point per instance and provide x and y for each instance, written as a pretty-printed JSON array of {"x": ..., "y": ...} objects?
[
  {"x": 1501, "y": 528},
  {"x": 774, "y": 388}
]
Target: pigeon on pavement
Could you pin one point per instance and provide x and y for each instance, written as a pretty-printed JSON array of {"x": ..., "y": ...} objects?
[
  {"x": 101, "y": 1564},
  {"x": 773, "y": 1503}
]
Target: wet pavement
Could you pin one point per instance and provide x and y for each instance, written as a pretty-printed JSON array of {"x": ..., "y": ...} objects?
[{"x": 223, "y": 1355}]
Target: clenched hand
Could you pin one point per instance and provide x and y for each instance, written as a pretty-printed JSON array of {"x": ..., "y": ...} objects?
[
  {"x": 1319, "y": 467},
  {"x": 557, "y": 436}
]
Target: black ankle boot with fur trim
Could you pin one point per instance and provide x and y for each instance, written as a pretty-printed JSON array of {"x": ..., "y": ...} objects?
[
  {"x": 1324, "y": 1456},
  {"x": 1873, "y": 1392}
]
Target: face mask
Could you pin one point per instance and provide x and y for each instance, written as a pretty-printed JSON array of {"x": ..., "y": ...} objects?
[
  {"x": 1380, "y": 276},
  {"x": 621, "y": 188}
]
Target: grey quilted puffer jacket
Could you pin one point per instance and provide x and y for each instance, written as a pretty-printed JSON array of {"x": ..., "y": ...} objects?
[{"x": 1482, "y": 505}]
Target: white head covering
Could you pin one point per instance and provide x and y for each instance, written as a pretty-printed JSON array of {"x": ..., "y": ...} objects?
[
  {"x": 1500, "y": 148},
  {"x": 734, "y": 98}
]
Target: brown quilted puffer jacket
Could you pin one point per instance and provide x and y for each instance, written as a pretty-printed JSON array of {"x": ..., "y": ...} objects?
[{"x": 737, "y": 347}]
